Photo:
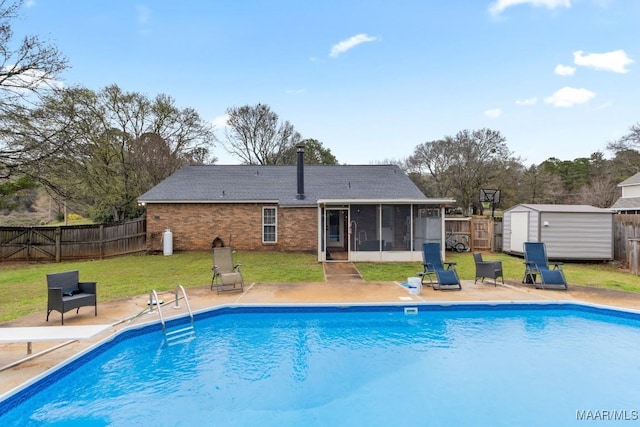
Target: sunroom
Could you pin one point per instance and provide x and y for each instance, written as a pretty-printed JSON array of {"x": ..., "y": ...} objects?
[{"x": 360, "y": 231}]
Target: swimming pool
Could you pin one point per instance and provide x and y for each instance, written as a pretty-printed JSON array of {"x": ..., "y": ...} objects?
[{"x": 460, "y": 364}]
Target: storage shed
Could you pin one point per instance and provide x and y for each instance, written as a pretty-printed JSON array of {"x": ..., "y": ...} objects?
[{"x": 570, "y": 232}]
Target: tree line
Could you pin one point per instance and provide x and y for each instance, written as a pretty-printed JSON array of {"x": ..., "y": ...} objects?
[{"x": 99, "y": 150}]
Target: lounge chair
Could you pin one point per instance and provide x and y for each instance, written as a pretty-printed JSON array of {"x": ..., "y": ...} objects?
[
  {"x": 487, "y": 269},
  {"x": 444, "y": 272},
  {"x": 227, "y": 276},
  {"x": 537, "y": 264}
]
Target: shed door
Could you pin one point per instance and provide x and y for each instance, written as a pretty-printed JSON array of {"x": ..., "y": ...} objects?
[{"x": 519, "y": 231}]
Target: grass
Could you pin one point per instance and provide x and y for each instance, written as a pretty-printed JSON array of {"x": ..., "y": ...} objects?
[{"x": 23, "y": 286}]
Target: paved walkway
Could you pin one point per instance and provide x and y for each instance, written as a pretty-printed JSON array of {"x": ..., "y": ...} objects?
[
  {"x": 341, "y": 272},
  {"x": 339, "y": 288}
]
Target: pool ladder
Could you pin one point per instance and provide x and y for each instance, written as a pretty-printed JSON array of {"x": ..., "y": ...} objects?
[{"x": 179, "y": 335}]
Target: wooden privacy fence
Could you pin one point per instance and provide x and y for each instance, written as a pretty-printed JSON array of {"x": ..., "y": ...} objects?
[
  {"x": 72, "y": 242},
  {"x": 625, "y": 229}
]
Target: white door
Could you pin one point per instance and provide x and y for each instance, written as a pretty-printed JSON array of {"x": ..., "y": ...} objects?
[{"x": 519, "y": 231}]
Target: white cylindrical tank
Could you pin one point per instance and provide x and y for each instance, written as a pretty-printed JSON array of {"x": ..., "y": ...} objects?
[{"x": 167, "y": 237}]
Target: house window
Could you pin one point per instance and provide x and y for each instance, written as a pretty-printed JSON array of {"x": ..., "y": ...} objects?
[{"x": 269, "y": 225}]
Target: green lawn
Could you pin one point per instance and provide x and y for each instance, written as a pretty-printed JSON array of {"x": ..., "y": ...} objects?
[{"x": 23, "y": 286}]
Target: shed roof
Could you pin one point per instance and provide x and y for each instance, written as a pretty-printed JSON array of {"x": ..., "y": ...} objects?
[
  {"x": 247, "y": 183},
  {"x": 563, "y": 208}
]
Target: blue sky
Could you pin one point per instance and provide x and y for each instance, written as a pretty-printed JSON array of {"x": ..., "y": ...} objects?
[{"x": 370, "y": 79}]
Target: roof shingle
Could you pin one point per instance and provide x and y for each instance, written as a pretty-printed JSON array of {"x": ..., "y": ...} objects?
[{"x": 243, "y": 183}]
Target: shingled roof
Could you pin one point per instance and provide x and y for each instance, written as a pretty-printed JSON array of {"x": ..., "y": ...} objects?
[
  {"x": 633, "y": 180},
  {"x": 246, "y": 183}
]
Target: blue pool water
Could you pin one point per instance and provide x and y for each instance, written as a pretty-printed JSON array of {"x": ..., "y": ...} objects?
[{"x": 460, "y": 365}]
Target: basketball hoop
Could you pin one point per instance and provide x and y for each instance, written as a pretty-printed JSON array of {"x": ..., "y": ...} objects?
[{"x": 489, "y": 198}]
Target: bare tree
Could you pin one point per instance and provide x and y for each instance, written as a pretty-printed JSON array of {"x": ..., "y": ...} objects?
[
  {"x": 117, "y": 145},
  {"x": 27, "y": 68},
  {"x": 629, "y": 141},
  {"x": 601, "y": 192},
  {"x": 29, "y": 65},
  {"x": 459, "y": 166},
  {"x": 255, "y": 135}
]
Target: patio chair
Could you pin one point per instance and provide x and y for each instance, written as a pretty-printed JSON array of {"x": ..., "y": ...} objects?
[
  {"x": 487, "y": 269},
  {"x": 537, "y": 264},
  {"x": 227, "y": 276},
  {"x": 65, "y": 292},
  {"x": 444, "y": 272}
]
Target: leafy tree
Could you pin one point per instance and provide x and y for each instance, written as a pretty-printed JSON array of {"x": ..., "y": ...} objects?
[
  {"x": 460, "y": 166},
  {"x": 314, "y": 154},
  {"x": 117, "y": 146},
  {"x": 626, "y": 160},
  {"x": 538, "y": 185},
  {"x": 255, "y": 135},
  {"x": 624, "y": 164},
  {"x": 573, "y": 174},
  {"x": 17, "y": 192}
]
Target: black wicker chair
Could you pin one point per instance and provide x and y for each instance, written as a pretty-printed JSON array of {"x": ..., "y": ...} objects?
[
  {"x": 487, "y": 269},
  {"x": 66, "y": 292}
]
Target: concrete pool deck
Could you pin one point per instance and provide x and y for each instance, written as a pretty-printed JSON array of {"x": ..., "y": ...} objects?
[{"x": 338, "y": 288}]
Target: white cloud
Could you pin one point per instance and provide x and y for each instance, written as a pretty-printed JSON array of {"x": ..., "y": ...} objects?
[
  {"x": 28, "y": 80},
  {"x": 569, "y": 96},
  {"x": 350, "y": 43},
  {"x": 494, "y": 113},
  {"x": 144, "y": 19},
  {"x": 528, "y": 101},
  {"x": 294, "y": 91},
  {"x": 604, "y": 106},
  {"x": 220, "y": 121},
  {"x": 615, "y": 61},
  {"x": 144, "y": 14},
  {"x": 500, "y": 6},
  {"x": 564, "y": 70},
  {"x": 29, "y": 3}
]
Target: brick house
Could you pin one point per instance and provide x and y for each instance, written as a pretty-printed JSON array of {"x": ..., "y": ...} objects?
[{"x": 340, "y": 212}]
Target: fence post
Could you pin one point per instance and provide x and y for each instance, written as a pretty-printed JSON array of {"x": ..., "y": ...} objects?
[
  {"x": 58, "y": 234},
  {"x": 101, "y": 231},
  {"x": 634, "y": 255}
]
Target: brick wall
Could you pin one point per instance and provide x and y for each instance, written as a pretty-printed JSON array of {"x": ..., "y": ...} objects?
[{"x": 195, "y": 225}]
